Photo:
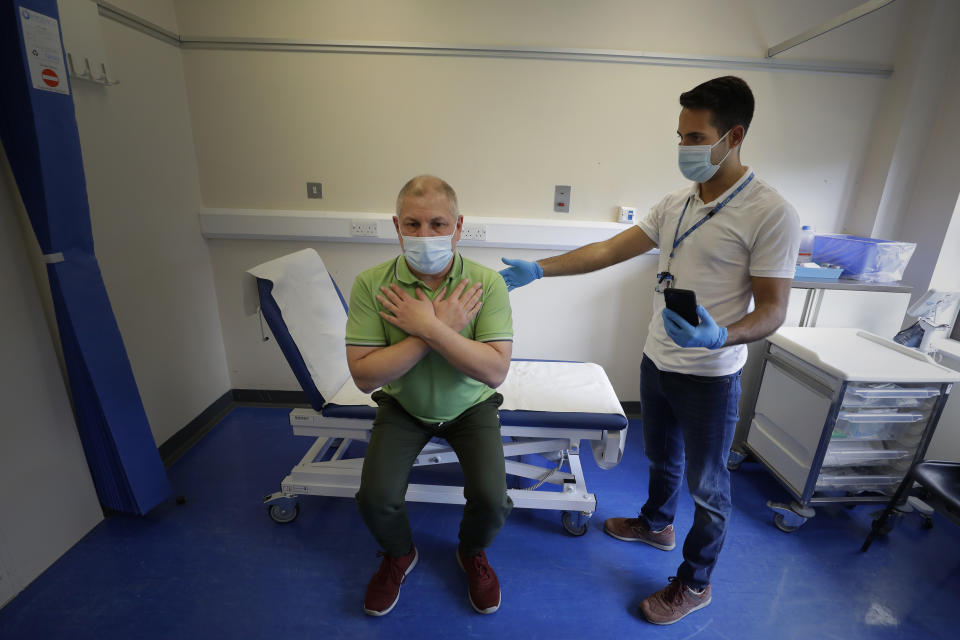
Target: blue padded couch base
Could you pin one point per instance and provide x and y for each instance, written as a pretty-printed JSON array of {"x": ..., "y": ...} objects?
[{"x": 273, "y": 316}]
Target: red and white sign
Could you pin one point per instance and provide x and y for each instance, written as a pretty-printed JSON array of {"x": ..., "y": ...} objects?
[
  {"x": 43, "y": 51},
  {"x": 50, "y": 77}
]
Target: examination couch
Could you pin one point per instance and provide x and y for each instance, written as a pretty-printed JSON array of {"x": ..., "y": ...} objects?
[{"x": 550, "y": 409}]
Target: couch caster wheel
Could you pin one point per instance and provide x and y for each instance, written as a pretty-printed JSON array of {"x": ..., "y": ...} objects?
[
  {"x": 281, "y": 508},
  {"x": 576, "y": 524}
]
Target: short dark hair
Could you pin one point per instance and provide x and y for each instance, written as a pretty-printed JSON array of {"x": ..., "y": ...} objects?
[{"x": 728, "y": 99}]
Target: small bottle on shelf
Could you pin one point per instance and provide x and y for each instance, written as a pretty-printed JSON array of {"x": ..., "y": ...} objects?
[{"x": 805, "y": 254}]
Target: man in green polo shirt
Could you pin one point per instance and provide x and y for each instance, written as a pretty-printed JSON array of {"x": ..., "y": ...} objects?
[{"x": 433, "y": 331}]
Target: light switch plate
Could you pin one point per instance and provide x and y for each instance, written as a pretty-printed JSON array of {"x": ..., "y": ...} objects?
[{"x": 561, "y": 198}]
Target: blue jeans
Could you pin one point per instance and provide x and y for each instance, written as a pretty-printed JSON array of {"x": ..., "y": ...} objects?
[{"x": 690, "y": 419}]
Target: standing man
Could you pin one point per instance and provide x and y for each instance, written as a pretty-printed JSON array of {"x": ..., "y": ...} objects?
[
  {"x": 434, "y": 330},
  {"x": 730, "y": 238}
]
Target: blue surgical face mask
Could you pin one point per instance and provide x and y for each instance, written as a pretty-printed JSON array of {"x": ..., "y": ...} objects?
[
  {"x": 428, "y": 255},
  {"x": 695, "y": 162}
]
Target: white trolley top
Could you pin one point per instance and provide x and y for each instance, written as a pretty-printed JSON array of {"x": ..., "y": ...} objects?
[{"x": 860, "y": 356}]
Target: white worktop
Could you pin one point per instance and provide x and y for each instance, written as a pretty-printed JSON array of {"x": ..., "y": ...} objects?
[{"x": 859, "y": 356}]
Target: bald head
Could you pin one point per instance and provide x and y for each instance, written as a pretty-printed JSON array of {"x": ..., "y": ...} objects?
[{"x": 427, "y": 186}]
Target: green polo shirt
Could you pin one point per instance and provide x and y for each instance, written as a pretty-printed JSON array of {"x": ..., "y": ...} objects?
[{"x": 433, "y": 390}]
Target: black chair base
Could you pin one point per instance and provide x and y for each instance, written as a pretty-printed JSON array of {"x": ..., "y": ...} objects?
[{"x": 936, "y": 483}]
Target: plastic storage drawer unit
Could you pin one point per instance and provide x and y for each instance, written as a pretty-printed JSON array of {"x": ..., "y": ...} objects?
[
  {"x": 887, "y": 395},
  {"x": 873, "y": 425},
  {"x": 859, "y": 479},
  {"x": 846, "y": 453}
]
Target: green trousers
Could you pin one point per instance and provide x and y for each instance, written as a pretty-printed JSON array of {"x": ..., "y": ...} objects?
[{"x": 395, "y": 442}]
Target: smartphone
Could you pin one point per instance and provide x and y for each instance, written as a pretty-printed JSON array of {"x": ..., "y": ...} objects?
[{"x": 684, "y": 303}]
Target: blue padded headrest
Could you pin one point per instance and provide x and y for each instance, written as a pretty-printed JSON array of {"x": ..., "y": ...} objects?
[{"x": 271, "y": 313}]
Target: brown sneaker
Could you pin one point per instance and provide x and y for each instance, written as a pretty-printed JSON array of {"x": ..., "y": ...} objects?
[
  {"x": 673, "y": 602},
  {"x": 483, "y": 587},
  {"x": 384, "y": 588},
  {"x": 633, "y": 530}
]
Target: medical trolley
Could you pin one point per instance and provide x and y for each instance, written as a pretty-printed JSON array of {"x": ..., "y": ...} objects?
[{"x": 840, "y": 415}]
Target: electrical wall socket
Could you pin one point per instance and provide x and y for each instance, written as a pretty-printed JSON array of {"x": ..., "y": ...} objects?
[
  {"x": 473, "y": 231},
  {"x": 364, "y": 228}
]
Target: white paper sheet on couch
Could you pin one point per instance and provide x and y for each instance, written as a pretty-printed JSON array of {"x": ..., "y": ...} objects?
[
  {"x": 555, "y": 387},
  {"x": 313, "y": 314}
]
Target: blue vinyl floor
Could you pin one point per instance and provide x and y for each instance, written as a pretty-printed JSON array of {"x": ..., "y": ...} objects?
[{"x": 218, "y": 567}]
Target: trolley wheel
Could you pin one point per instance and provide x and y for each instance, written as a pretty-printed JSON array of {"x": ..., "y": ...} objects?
[
  {"x": 576, "y": 524},
  {"x": 284, "y": 512},
  {"x": 783, "y": 526},
  {"x": 790, "y": 517}
]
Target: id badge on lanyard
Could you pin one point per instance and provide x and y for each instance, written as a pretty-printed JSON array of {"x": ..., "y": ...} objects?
[{"x": 664, "y": 281}]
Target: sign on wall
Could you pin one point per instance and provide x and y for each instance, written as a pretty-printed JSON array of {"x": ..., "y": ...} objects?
[{"x": 41, "y": 40}]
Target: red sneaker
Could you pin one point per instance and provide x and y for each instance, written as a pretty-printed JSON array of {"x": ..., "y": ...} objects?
[
  {"x": 484, "y": 588},
  {"x": 384, "y": 588}
]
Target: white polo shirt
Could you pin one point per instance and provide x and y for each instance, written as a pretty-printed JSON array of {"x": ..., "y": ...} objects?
[{"x": 757, "y": 233}]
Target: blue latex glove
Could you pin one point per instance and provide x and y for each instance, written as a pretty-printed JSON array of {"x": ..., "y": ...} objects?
[
  {"x": 706, "y": 334},
  {"x": 520, "y": 272}
]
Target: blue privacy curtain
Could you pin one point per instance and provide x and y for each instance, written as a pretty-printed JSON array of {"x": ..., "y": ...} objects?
[{"x": 39, "y": 134}]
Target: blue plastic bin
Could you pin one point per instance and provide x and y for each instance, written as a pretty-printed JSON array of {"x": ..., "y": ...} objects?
[{"x": 867, "y": 259}]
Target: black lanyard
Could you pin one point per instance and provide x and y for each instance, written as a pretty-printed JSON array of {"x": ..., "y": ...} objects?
[{"x": 677, "y": 241}]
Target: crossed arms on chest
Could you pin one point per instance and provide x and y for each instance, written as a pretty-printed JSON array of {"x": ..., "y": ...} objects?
[{"x": 429, "y": 325}]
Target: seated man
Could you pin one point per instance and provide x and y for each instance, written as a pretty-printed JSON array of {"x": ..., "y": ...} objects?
[{"x": 434, "y": 330}]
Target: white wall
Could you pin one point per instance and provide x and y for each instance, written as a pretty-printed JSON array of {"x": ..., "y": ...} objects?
[
  {"x": 159, "y": 12},
  {"x": 901, "y": 133},
  {"x": 369, "y": 124},
  {"x": 727, "y": 27},
  {"x": 909, "y": 189},
  {"x": 141, "y": 173},
  {"x": 926, "y": 215},
  {"x": 946, "y": 275},
  {"x": 46, "y": 493},
  {"x": 505, "y": 131}
]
